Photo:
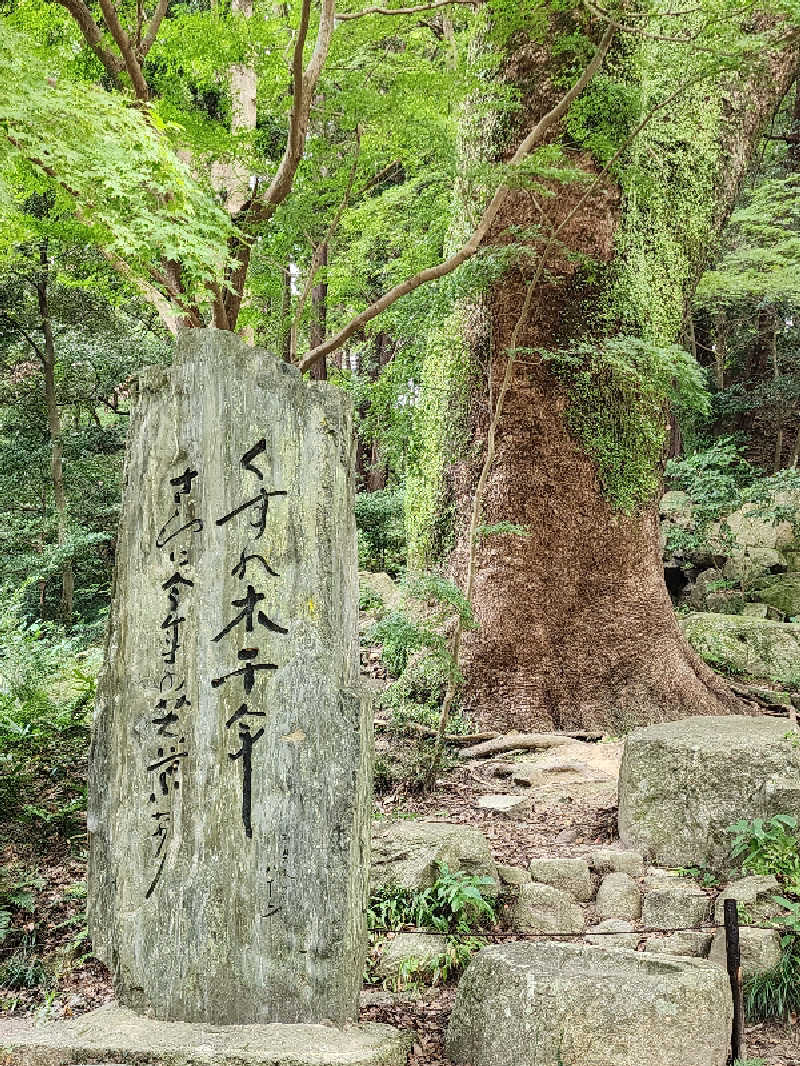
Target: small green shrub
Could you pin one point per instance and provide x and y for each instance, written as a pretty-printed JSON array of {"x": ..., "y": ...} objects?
[
  {"x": 776, "y": 993},
  {"x": 380, "y": 521},
  {"x": 768, "y": 847},
  {"x": 18, "y": 890},
  {"x": 455, "y": 903},
  {"x": 400, "y": 637},
  {"x": 368, "y": 599}
]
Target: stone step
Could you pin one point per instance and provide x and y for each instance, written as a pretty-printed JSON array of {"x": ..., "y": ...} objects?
[{"x": 116, "y": 1034}]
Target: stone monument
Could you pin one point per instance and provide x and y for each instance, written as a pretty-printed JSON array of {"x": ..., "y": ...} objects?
[{"x": 230, "y": 769}]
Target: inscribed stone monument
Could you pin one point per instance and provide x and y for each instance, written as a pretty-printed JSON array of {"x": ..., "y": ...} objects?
[{"x": 229, "y": 786}]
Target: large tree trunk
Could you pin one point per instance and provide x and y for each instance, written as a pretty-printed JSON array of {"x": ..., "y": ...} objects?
[{"x": 576, "y": 626}]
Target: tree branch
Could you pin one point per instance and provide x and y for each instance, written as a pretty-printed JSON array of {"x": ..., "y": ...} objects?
[
  {"x": 153, "y": 27},
  {"x": 344, "y": 17},
  {"x": 490, "y": 213},
  {"x": 317, "y": 256},
  {"x": 94, "y": 38},
  {"x": 126, "y": 51}
]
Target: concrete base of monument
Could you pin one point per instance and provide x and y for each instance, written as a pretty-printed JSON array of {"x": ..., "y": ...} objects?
[{"x": 114, "y": 1034}]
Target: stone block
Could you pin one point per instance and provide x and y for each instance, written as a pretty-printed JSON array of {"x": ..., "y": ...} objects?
[
  {"x": 619, "y": 896},
  {"x": 425, "y": 948},
  {"x": 230, "y": 769},
  {"x": 571, "y": 875},
  {"x": 742, "y": 645},
  {"x": 409, "y": 853},
  {"x": 613, "y": 933},
  {"x": 672, "y": 902},
  {"x": 691, "y": 942},
  {"x": 115, "y": 1034},
  {"x": 546, "y": 909},
  {"x": 513, "y": 876},
  {"x": 616, "y": 860},
  {"x": 682, "y": 784},
  {"x": 556, "y": 1004},
  {"x": 753, "y": 896},
  {"x": 759, "y": 950}
]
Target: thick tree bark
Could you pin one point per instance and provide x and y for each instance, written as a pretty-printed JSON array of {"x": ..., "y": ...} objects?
[{"x": 577, "y": 628}]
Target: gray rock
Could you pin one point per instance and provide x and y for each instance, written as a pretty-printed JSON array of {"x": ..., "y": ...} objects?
[
  {"x": 616, "y": 860},
  {"x": 382, "y": 585},
  {"x": 707, "y": 595},
  {"x": 683, "y": 783},
  {"x": 753, "y": 896},
  {"x": 507, "y": 805},
  {"x": 229, "y": 818},
  {"x": 745, "y": 645},
  {"x": 619, "y": 897},
  {"x": 782, "y": 594},
  {"x": 410, "y": 853},
  {"x": 424, "y": 948},
  {"x": 690, "y": 942},
  {"x": 115, "y": 1034},
  {"x": 545, "y": 909},
  {"x": 613, "y": 933},
  {"x": 744, "y": 564},
  {"x": 543, "y": 1004},
  {"x": 572, "y": 875},
  {"x": 759, "y": 950},
  {"x": 672, "y": 902},
  {"x": 513, "y": 876}
]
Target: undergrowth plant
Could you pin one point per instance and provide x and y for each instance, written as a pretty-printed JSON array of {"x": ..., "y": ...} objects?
[
  {"x": 456, "y": 902},
  {"x": 770, "y": 847}
]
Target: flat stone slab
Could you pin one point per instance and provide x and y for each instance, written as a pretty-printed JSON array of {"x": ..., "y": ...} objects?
[{"x": 116, "y": 1034}]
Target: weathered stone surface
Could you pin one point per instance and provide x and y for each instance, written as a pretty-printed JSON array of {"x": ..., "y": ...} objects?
[
  {"x": 543, "y": 1004},
  {"x": 572, "y": 875},
  {"x": 759, "y": 950},
  {"x": 409, "y": 853},
  {"x": 425, "y": 948},
  {"x": 619, "y": 897},
  {"x": 683, "y": 783},
  {"x": 513, "y": 876},
  {"x": 616, "y": 860},
  {"x": 690, "y": 942},
  {"x": 114, "y": 1034},
  {"x": 205, "y": 904},
  {"x": 613, "y": 933},
  {"x": 761, "y": 610},
  {"x": 748, "y": 529},
  {"x": 545, "y": 909},
  {"x": 745, "y": 645},
  {"x": 744, "y": 564},
  {"x": 753, "y": 895},
  {"x": 783, "y": 594},
  {"x": 508, "y": 805},
  {"x": 672, "y": 902}
]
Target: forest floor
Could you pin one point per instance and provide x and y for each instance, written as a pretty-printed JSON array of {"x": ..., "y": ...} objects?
[
  {"x": 573, "y": 815},
  {"x": 46, "y": 968}
]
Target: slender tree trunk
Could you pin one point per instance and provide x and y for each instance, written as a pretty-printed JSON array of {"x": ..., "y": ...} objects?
[{"x": 54, "y": 426}]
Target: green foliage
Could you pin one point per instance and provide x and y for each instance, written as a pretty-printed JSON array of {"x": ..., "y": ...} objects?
[
  {"x": 381, "y": 529},
  {"x": 619, "y": 393},
  {"x": 400, "y": 637},
  {"x": 776, "y": 993},
  {"x": 18, "y": 890},
  {"x": 46, "y": 693},
  {"x": 705, "y": 877},
  {"x": 134, "y": 195},
  {"x": 414, "y": 972},
  {"x": 768, "y": 847},
  {"x": 368, "y": 599},
  {"x": 455, "y": 903}
]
